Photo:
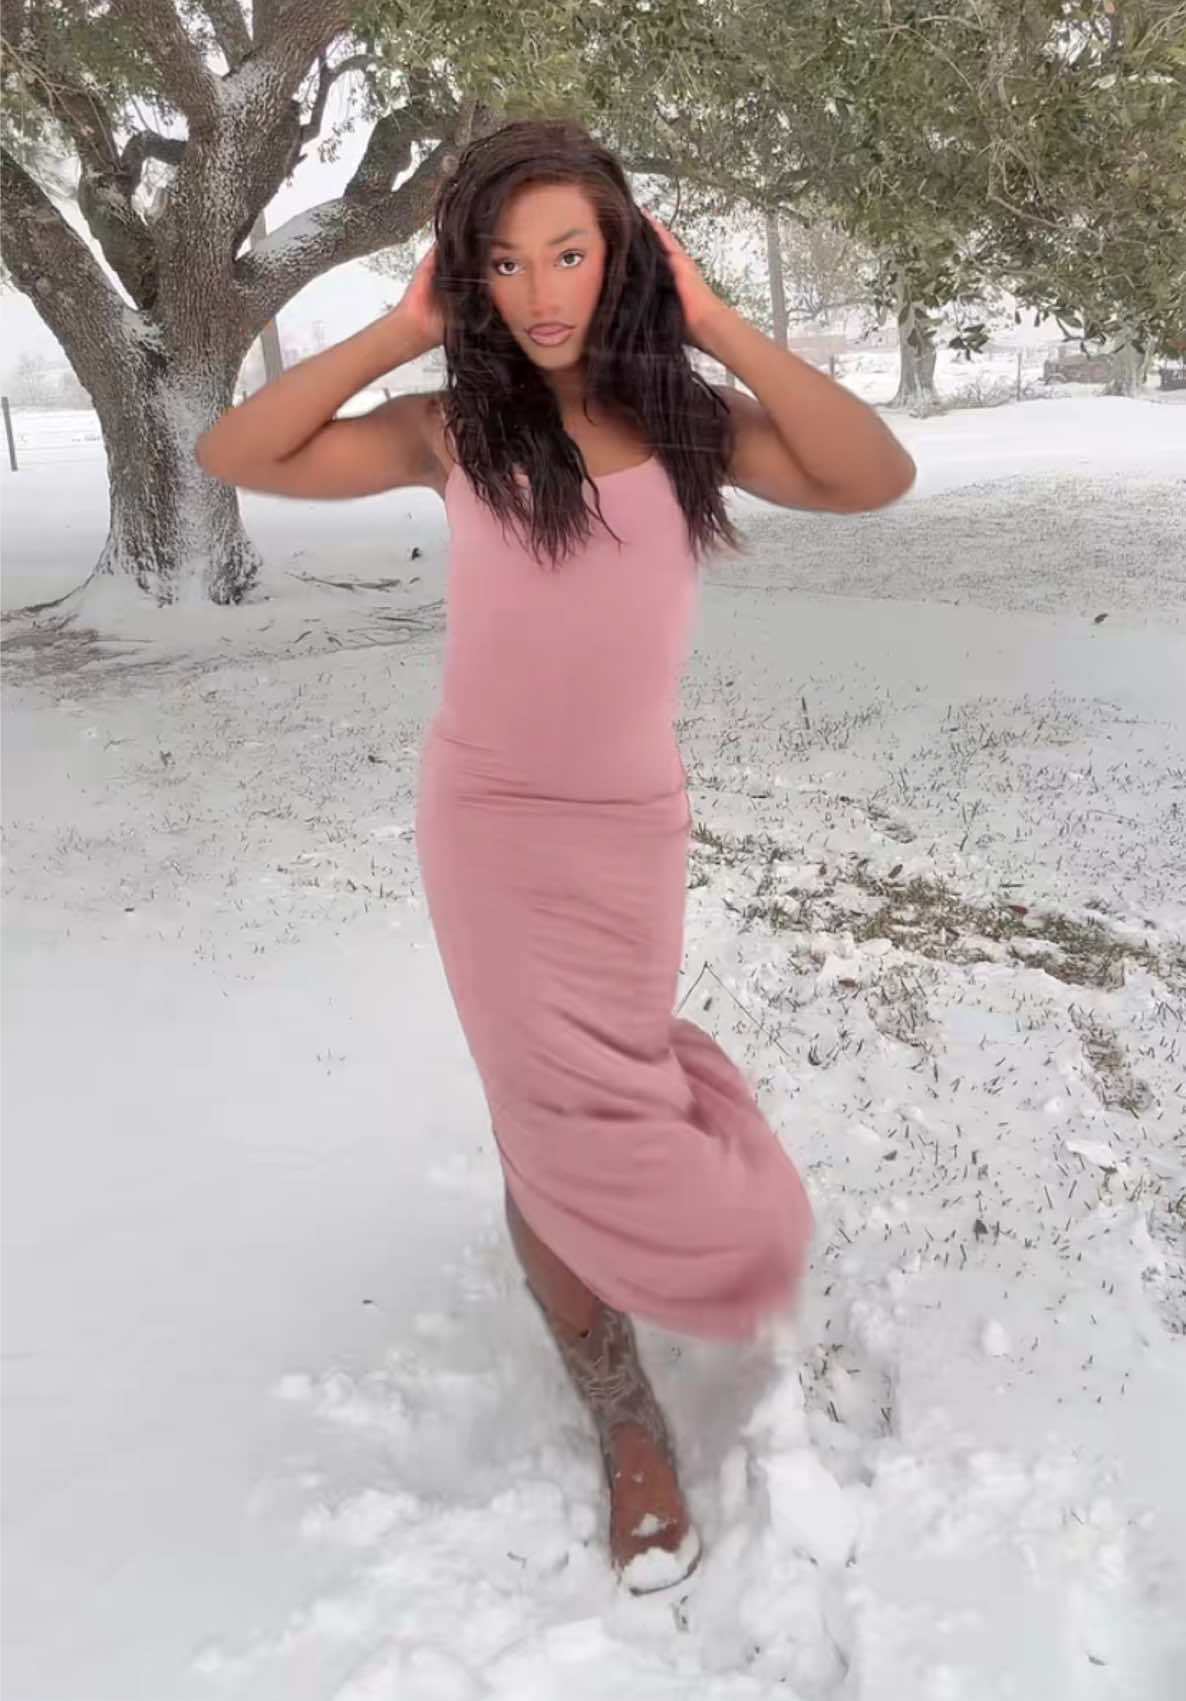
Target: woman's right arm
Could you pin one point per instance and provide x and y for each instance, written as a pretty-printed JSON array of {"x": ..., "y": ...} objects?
[{"x": 285, "y": 439}]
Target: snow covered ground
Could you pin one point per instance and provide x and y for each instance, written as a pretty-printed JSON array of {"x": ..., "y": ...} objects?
[{"x": 280, "y": 1421}]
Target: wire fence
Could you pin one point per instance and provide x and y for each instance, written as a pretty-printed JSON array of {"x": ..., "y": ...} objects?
[
  {"x": 62, "y": 436},
  {"x": 51, "y": 436}
]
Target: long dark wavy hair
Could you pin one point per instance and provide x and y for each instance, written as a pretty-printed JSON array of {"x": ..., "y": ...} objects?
[{"x": 502, "y": 414}]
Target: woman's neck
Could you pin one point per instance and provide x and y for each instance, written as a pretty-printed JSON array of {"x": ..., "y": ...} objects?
[{"x": 568, "y": 385}]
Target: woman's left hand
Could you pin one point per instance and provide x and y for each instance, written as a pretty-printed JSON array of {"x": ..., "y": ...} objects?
[{"x": 699, "y": 302}]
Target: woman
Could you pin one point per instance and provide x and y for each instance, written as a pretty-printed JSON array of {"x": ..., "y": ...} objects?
[{"x": 582, "y": 463}]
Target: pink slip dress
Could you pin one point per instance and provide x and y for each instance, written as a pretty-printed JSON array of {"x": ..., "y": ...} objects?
[{"x": 552, "y": 829}]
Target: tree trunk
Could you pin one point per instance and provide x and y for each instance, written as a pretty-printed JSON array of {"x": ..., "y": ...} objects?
[
  {"x": 778, "y": 294},
  {"x": 916, "y": 376},
  {"x": 1130, "y": 370},
  {"x": 173, "y": 529},
  {"x": 916, "y": 356}
]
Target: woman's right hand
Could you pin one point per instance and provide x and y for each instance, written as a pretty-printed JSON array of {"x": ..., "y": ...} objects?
[{"x": 419, "y": 308}]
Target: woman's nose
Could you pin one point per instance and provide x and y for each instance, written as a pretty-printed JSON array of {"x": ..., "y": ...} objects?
[{"x": 541, "y": 297}]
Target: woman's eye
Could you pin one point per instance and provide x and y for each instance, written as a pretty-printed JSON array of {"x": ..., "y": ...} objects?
[{"x": 575, "y": 255}]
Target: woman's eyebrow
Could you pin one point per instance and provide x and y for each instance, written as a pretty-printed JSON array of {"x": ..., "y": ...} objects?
[{"x": 554, "y": 243}]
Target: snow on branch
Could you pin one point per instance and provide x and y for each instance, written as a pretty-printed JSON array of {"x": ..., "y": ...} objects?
[
  {"x": 283, "y": 57},
  {"x": 358, "y": 223}
]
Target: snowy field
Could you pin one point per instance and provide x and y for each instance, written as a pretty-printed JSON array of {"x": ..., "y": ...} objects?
[{"x": 281, "y": 1424}]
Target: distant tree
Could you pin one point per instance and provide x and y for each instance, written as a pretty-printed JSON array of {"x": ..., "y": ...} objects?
[
  {"x": 29, "y": 383},
  {"x": 828, "y": 272},
  {"x": 1090, "y": 225},
  {"x": 1034, "y": 145}
]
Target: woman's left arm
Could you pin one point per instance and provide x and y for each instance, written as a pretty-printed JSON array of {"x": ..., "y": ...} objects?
[{"x": 806, "y": 442}]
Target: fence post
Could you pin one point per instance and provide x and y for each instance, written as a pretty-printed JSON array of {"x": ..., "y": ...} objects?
[{"x": 8, "y": 432}]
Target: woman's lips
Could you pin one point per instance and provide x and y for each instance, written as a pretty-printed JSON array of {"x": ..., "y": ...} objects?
[{"x": 550, "y": 334}]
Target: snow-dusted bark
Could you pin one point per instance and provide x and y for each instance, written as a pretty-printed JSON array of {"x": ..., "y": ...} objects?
[
  {"x": 158, "y": 375},
  {"x": 173, "y": 529}
]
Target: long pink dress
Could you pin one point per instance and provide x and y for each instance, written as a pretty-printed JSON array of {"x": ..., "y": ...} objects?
[{"x": 552, "y": 830}]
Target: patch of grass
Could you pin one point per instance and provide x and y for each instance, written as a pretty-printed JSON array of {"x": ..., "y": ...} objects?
[
  {"x": 898, "y": 1005},
  {"x": 781, "y": 919},
  {"x": 730, "y": 849},
  {"x": 702, "y": 835},
  {"x": 1115, "y": 1082},
  {"x": 34, "y": 651},
  {"x": 832, "y": 732},
  {"x": 928, "y": 917}
]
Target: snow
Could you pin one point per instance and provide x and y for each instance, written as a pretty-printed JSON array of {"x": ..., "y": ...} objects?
[
  {"x": 656, "y": 1569},
  {"x": 280, "y": 1419},
  {"x": 308, "y": 226},
  {"x": 995, "y": 1339},
  {"x": 142, "y": 332}
]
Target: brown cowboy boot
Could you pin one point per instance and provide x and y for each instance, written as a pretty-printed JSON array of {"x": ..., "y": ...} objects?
[{"x": 652, "y": 1542}]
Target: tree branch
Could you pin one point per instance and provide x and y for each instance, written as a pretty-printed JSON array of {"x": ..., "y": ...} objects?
[
  {"x": 265, "y": 19},
  {"x": 191, "y": 88},
  {"x": 52, "y": 265},
  {"x": 148, "y": 144},
  {"x": 389, "y": 147},
  {"x": 230, "y": 27},
  {"x": 108, "y": 178},
  {"x": 364, "y": 220},
  {"x": 687, "y": 166},
  {"x": 327, "y": 76},
  {"x": 57, "y": 85},
  {"x": 650, "y": 165},
  {"x": 299, "y": 36},
  {"x": 431, "y": 113},
  {"x": 804, "y": 313}
]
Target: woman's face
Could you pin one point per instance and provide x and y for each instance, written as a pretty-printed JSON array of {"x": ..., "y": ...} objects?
[{"x": 546, "y": 267}]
